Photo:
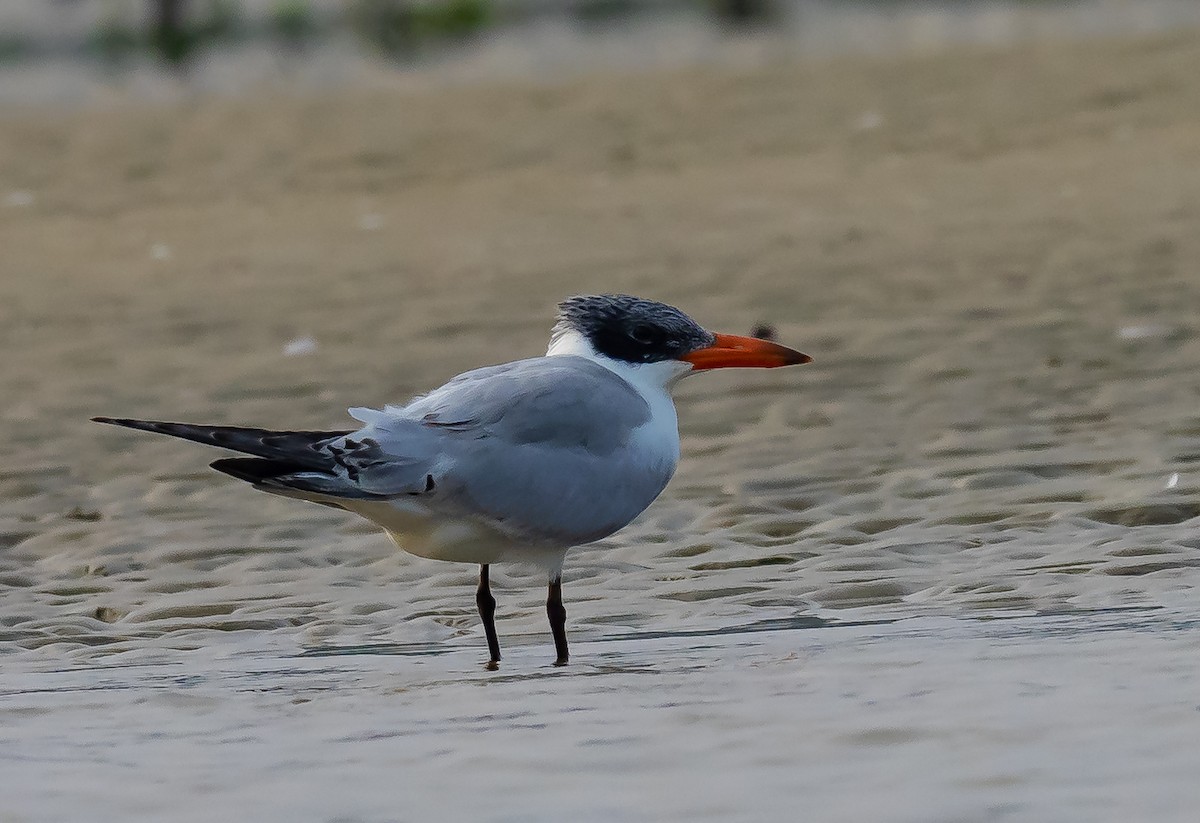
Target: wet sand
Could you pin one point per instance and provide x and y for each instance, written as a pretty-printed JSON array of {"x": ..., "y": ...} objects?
[{"x": 946, "y": 572}]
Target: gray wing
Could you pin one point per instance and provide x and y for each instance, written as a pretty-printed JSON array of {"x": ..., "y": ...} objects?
[
  {"x": 540, "y": 447},
  {"x": 559, "y": 401}
]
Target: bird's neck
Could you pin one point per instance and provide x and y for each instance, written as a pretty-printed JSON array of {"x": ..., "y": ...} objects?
[{"x": 658, "y": 438}]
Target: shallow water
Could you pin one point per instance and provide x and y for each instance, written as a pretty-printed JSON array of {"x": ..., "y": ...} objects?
[
  {"x": 946, "y": 572},
  {"x": 1017, "y": 717}
]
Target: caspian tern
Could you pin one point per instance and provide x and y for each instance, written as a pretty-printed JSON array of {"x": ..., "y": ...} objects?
[{"x": 516, "y": 462}]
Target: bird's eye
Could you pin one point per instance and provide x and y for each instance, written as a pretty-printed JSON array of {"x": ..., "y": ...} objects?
[{"x": 645, "y": 334}]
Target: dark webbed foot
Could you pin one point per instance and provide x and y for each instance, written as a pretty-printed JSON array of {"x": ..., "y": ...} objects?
[
  {"x": 487, "y": 613},
  {"x": 558, "y": 620}
]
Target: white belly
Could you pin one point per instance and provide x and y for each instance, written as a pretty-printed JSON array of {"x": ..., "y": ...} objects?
[{"x": 461, "y": 540}]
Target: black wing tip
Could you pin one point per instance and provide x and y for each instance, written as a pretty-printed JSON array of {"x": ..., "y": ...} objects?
[
  {"x": 127, "y": 422},
  {"x": 134, "y": 423},
  {"x": 287, "y": 478},
  {"x": 254, "y": 469}
]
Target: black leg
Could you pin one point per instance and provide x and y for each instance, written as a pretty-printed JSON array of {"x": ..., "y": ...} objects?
[
  {"x": 487, "y": 613},
  {"x": 558, "y": 620}
]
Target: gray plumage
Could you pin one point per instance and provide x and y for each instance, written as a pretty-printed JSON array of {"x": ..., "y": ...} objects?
[{"x": 521, "y": 446}]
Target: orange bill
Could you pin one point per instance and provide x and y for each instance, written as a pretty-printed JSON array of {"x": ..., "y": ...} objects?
[{"x": 730, "y": 350}]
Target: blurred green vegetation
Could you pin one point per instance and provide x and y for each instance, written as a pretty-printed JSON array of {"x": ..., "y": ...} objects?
[
  {"x": 114, "y": 40},
  {"x": 13, "y": 47},
  {"x": 174, "y": 31},
  {"x": 175, "y": 39},
  {"x": 399, "y": 27},
  {"x": 293, "y": 22}
]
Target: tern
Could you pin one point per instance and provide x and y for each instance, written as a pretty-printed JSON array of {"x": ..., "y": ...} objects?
[{"x": 518, "y": 462}]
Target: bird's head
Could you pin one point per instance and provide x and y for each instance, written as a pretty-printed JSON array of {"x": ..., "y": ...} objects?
[{"x": 635, "y": 331}]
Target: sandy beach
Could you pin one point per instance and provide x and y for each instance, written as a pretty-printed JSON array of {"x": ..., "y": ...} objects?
[{"x": 947, "y": 572}]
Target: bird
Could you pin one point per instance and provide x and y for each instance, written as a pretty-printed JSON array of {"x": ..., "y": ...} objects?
[{"x": 517, "y": 462}]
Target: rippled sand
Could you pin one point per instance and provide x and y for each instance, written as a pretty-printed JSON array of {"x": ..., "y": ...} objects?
[{"x": 946, "y": 572}]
